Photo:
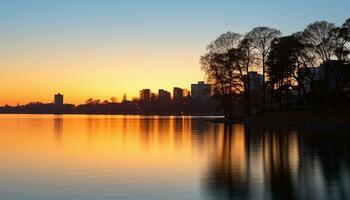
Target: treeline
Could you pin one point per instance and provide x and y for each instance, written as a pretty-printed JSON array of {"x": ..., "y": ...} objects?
[
  {"x": 307, "y": 68},
  {"x": 185, "y": 106}
]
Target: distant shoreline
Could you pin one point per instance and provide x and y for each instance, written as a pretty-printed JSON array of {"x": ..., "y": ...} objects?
[
  {"x": 282, "y": 119},
  {"x": 186, "y": 115},
  {"x": 303, "y": 119}
]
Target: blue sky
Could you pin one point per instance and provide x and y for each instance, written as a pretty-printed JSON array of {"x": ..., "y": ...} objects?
[
  {"x": 109, "y": 40},
  {"x": 167, "y": 16}
]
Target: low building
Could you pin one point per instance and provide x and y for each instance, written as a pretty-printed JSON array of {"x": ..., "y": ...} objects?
[{"x": 201, "y": 90}]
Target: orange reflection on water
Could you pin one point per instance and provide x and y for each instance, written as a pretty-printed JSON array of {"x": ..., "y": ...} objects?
[
  {"x": 143, "y": 145},
  {"x": 139, "y": 155}
]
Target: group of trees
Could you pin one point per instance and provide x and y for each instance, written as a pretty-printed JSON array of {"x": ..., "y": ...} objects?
[
  {"x": 284, "y": 63},
  {"x": 293, "y": 59}
]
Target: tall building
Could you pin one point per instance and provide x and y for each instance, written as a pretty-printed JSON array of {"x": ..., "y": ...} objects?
[
  {"x": 58, "y": 100},
  {"x": 145, "y": 94},
  {"x": 164, "y": 95},
  {"x": 200, "y": 90},
  {"x": 255, "y": 79},
  {"x": 178, "y": 94}
]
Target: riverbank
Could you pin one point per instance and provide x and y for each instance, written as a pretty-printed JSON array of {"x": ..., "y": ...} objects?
[{"x": 294, "y": 118}]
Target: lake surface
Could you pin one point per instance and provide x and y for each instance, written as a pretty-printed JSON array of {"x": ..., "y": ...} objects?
[{"x": 72, "y": 157}]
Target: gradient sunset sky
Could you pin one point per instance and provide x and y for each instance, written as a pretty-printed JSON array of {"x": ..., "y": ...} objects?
[{"x": 101, "y": 48}]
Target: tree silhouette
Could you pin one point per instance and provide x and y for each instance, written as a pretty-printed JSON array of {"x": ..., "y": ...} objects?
[
  {"x": 281, "y": 64},
  {"x": 318, "y": 36},
  {"x": 224, "y": 42},
  {"x": 341, "y": 36},
  {"x": 248, "y": 58},
  {"x": 261, "y": 38},
  {"x": 218, "y": 65}
]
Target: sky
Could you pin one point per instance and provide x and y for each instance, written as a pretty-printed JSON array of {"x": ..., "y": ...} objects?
[{"x": 104, "y": 48}]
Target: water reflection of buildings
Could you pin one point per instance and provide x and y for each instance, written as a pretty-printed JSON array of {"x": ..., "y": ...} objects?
[
  {"x": 58, "y": 129},
  {"x": 258, "y": 164},
  {"x": 150, "y": 133}
]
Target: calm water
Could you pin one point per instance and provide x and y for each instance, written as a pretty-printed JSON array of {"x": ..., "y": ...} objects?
[{"x": 45, "y": 157}]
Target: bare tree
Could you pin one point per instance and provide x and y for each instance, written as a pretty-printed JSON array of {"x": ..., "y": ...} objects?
[
  {"x": 219, "y": 68},
  {"x": 224, "y": 42},
  {"x": 341, "y": 36},
  {"x": 346, "y": 26},
  {"x": 220, "y": 72},
  {"x": 247, "y": 58},
  {"x": 328, "y": 41},
  {"x": 261, "y": 38},
  {"x": 318, "y": 36}
]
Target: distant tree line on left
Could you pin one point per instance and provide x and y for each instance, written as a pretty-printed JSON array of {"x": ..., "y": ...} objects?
[{"x": 184, "y": 106}]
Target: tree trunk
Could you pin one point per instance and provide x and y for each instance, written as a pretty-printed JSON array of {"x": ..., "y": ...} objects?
[
  {"x": 247, "y": 100},
  {"x": 263, "y": 85},
  {"x": 248, "y": 92}
]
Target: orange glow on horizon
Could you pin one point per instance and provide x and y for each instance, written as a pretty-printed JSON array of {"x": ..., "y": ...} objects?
[{"x": 37, "y": 74}]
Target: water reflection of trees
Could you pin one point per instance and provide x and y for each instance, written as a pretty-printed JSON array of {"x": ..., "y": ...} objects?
[
  {"x": 328, "y": 156},
  {"x": 252, "y": 163},
  {"x": 227, "y": 176},
  {"x": 245, "y": 162},
  {"x": 280, "y": 161}
]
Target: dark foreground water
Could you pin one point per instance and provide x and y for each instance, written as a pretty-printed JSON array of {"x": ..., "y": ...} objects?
[{"x": 47, "y": 157}]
